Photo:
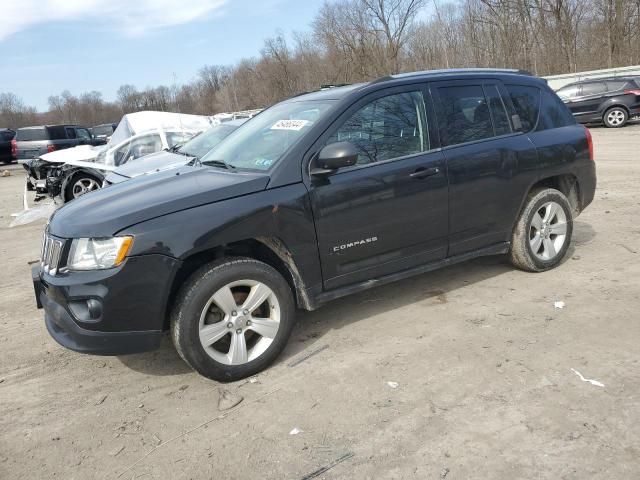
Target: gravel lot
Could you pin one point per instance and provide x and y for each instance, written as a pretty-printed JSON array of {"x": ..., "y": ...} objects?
[{"x": 482, "y": 360}]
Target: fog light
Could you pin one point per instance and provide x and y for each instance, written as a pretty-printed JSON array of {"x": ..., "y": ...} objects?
[{"x": 86, "y": 310}]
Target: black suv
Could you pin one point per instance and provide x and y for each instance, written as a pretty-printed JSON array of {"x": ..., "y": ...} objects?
[
  {"x": 319, "y": 196},
  {"x": 612, "y": 101}
]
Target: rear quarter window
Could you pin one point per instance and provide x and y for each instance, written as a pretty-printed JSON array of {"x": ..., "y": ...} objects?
[
  {"x": 616, "y": 85},
  {"x": 58, "y": 133},
  {"x": 553, "y": 113},
  {"x": 31, "y": 134},
  {"x": 526, "y": 101}
]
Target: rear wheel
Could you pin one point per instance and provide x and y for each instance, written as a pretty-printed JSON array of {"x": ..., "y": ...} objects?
[
  {"x": 615, "y": 117},
  {"x": 80, "y": 184},
  {"x": 232, "y": 318},
  {"x": 543, "y": 232}
]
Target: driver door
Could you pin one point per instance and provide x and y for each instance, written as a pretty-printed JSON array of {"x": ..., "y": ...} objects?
[{"x": 388, "y": 212}]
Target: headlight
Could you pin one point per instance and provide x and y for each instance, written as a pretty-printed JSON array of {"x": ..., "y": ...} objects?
[{"x": 98, "y": 253}]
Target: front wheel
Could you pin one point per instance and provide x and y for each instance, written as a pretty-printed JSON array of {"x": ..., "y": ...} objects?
[
  {"x": 543, "y": 231},
  {"x": 80, "y": 184},
  {"x": 615, "y": 117},
  {"x": 232, "y": 318}
]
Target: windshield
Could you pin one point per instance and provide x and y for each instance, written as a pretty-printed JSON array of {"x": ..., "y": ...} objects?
[
  {"x": 201, "y": 144},
  {"x": 105, "y": 130},
  {"x": 261, "y": 142}
]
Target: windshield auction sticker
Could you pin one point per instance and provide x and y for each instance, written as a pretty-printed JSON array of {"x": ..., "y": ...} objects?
[{"x": 290, "y": 124}]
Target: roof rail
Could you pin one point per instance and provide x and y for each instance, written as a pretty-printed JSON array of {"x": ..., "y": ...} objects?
[
  {"x": 333, "y": 85},
  {"x": 452, "y": 70}
]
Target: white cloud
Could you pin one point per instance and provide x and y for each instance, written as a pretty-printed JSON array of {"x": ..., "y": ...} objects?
[{"x": 133, "y": 17}]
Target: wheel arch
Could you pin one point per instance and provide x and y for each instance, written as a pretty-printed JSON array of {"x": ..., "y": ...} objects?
[
  {"x": 270, "y": 250},
  {"x": 74, "y": 172},
  {"x": 566, "y": 183}
]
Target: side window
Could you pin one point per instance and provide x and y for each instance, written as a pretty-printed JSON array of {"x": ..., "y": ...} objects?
[
  {"x": 463, "y": 115},
  {"x": 569, "y": 92},
  {"x": 137, "y": 148},
  {"x": 616, "y": 85},
  {"x": 83, "y": 134},
  {"x": 553, "y": 113},
  {"x": 594, "y": 88},
  {"x": 71, "y": 132},
  {"x": 388, "y": 127},
  {"x": 526, "y": 101},
  {"x": 498, "y": 111}
]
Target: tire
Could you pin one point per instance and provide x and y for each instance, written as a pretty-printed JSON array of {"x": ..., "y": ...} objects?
[
  {"x": 203, "y": 308},
  {"x": 73, "y": 188},
  {"x": 537, "y": 243},
  {"x": 615, "y": 117}
]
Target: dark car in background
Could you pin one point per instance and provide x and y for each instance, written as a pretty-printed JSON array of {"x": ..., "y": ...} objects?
[
  {"x": 31, "y": 142},
  {"x": 612, "y": 101},
  {"x": 104, "y": 131},
  {"x": 7, "y": 146},
  {"x": 319, "y": 196}
]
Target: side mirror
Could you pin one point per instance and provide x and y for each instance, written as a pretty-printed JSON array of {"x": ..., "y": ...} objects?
[{"x": 335, "y": 156}]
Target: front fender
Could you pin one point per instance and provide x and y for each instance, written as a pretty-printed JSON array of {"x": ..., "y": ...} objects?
[{"x": 282, "y": 213}]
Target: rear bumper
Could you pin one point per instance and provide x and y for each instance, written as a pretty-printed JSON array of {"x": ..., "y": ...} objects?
[{"x": 587, "y": 181}]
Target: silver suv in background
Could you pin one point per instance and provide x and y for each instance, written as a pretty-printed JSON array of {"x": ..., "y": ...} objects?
[{"x": 31, "y": 142}]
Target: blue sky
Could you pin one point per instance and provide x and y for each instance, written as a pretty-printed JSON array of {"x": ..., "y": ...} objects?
[{"x": 84, "y": 45}]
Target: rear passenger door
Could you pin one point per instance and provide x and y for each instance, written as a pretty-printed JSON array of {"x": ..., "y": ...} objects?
[
  {"x": 591, "y": 97},
  {"x": 485, "y": 152}
]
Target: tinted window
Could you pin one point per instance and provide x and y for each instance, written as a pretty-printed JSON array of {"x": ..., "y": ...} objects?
[
  {"x": 6, "y": 136},
  {"x": 31, "y": 134},
  {"x": 498, "y": 111},
  {"x": 594, "y": 88},
  {"x": 464, "y": 115},
  {"x": 389, "y": 127},
  {"x": 553, "y": 113},
  {"x": 71, "y": 132},
  {"x": 526, "y": 101},
  {"x": 102, "y": 130},
  {"x": 57, "y": 133},
  {"x": 570, "y": 91}
]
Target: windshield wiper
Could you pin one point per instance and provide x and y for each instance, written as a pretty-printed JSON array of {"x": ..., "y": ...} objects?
[{"x": 219, "y": 163}]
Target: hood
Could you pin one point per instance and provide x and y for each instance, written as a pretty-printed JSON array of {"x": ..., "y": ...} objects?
[
  {"x": 105, "y": 212},
  {"x": 156, "y": 162},
  {"x": 79, "y": 153}
]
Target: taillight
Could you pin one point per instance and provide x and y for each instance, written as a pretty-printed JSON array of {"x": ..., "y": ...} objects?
[
  {"x": 51, "y": 148},
  {"x": 589, "y": 143},
  {"x": 14, "y": 148},
  {"x": 632, "y": 92}
]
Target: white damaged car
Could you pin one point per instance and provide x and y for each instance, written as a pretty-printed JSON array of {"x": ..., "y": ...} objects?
[{"x": 73, "y": 172}]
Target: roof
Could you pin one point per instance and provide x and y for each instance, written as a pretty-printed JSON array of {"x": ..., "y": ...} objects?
[
  {"x": 48, "y": 126},
  {"x": 335, "y": 93}
]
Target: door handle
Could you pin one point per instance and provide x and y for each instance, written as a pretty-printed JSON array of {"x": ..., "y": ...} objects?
[{"x": 425, "y": 172}]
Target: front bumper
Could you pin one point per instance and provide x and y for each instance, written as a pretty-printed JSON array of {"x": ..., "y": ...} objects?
[{"x": 131, "y": 300}]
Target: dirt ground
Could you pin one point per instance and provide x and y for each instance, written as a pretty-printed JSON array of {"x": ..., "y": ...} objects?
[{"x": 482, "y": 360}]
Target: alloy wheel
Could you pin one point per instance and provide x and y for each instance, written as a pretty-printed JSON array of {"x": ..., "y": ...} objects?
[
  {"x": 548, "y": 231},
  {"x": 615, "y": 117},
  {"x": 239, "y": 322},
  {"x": 84, "y": 185}
]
